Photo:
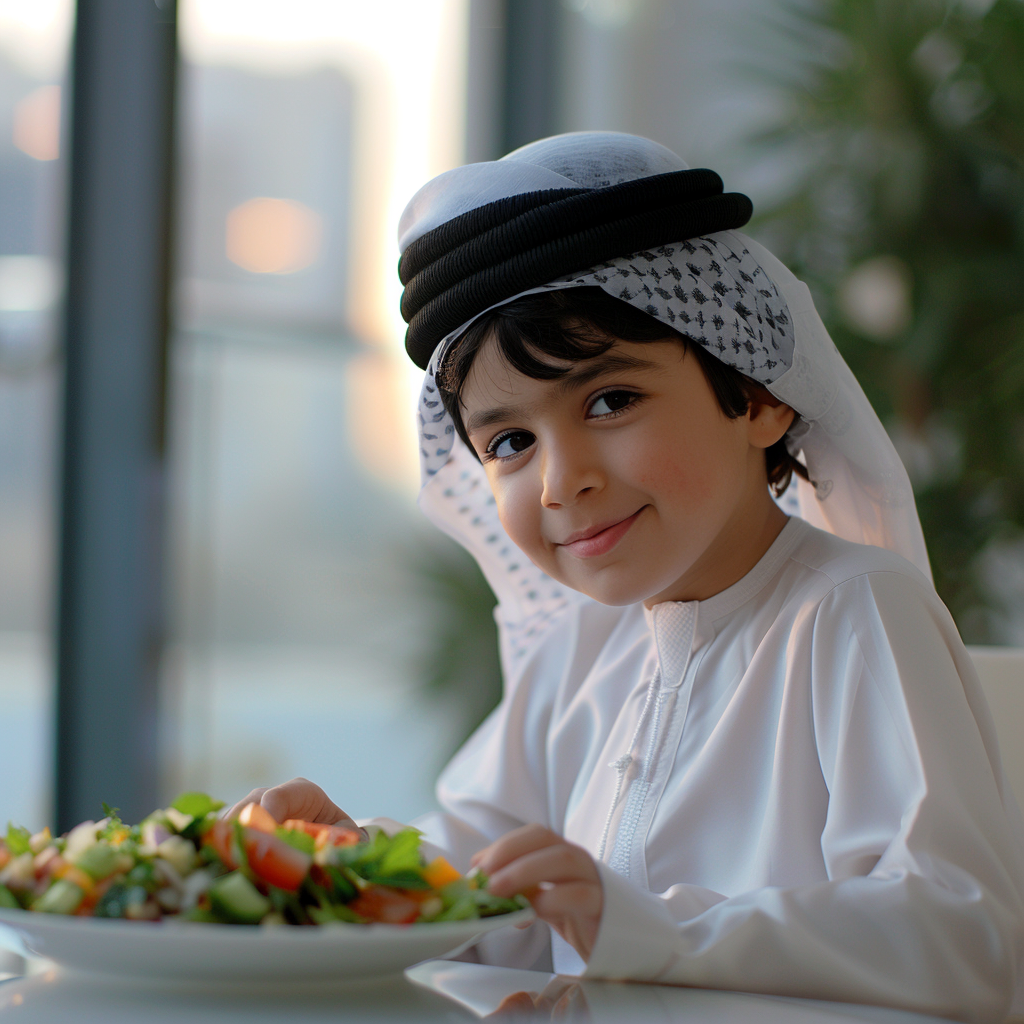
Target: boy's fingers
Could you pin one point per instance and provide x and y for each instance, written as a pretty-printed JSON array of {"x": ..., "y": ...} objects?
[
  {"x": 558, "y": 863},
  {"x": 253, "y": 798},
  {"x": 297, "y": 798},
  {"x": 574, "y": 911},
  {"x": 569, "y": 899},
  {"x": 513, "y": 845},
  {"x": 300, "y": 798}
]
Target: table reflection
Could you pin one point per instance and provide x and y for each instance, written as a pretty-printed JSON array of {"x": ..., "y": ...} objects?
[
  {"x": 501, "y": 994},
  {"x": 436, "y": 990},
  {"x": 561, "y": 1000},
  {"x": 59, "y": 995}
]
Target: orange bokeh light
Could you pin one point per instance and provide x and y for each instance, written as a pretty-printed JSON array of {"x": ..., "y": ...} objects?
[
  {"x": 273, "y": 236},
  {"x": 37, "y": 123}
]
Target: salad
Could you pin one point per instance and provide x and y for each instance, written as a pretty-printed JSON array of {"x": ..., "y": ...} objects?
[{"x": 184, "y": 863}]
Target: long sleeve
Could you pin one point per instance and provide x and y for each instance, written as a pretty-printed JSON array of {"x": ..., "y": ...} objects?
[
  {"x": 922, "y": 904},
  {"x": 524, "y": 761},
  {"x": 498, "y": 780},
  {"x": 501, "y": 778}
]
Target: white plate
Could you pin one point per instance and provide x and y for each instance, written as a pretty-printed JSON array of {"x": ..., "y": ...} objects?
[{"x": 224, "y": 953}]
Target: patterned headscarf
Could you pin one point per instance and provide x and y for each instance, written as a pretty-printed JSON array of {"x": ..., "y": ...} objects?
[{"x": 722, "y": 290}]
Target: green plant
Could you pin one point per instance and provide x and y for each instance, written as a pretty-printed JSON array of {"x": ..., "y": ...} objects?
[
  {"x": 460, "y": 661},
  {"x": 903, "y": 121}
]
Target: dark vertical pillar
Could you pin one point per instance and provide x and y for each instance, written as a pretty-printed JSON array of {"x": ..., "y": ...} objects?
[
  {"x": 115, "y": 356},
  {"x": 533, "y": 48}
]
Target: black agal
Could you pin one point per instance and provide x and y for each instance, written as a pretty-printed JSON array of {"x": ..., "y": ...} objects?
[{"x": 498, "y": 250}]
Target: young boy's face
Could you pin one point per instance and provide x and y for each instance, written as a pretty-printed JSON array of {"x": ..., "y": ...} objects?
[{"x": 624, "y": 479}]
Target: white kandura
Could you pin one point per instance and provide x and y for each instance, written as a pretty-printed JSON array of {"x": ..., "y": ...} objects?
[
  {"x": 793, "y": 786},
  {"x": 813, "y": 804}
]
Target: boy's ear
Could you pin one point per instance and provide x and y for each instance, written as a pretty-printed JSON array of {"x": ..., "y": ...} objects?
[{"x": 768, "y": 418}]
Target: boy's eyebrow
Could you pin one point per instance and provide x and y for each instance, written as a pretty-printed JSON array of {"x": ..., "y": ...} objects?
[
  {"x": 479, "y": 420},
  {"x": 598, "y": 367},
  {"x": 577, "y": 377}
]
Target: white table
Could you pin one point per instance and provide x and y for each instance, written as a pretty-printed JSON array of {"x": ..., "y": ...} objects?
[{"x": 434, "y": 991}]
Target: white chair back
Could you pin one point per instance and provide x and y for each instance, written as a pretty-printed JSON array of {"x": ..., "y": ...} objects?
[{"x": 1001, "y": 670}]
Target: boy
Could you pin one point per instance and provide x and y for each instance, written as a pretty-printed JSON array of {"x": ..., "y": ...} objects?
[{"x": 734, "y": 750}]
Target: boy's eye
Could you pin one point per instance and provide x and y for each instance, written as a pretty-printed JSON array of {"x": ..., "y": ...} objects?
[
  {"x": 506, "y": 445},
  {"x": 611, "y": 401}
]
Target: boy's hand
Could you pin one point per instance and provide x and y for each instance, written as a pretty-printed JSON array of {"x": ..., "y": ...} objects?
[
  {"x": 299, "y": 798},
  {"x": 559, "y": 879}
]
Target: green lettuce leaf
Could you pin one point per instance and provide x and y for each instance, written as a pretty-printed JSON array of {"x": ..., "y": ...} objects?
[
  {"x": 300, "y": 840},
  {"x": 197, "y": 805},
  {"x": 402, "y": 854},
  {"x": 18, "y": 839}
]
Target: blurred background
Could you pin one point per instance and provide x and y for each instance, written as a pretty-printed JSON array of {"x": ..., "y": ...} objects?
[{"x": 305, "y": 620}]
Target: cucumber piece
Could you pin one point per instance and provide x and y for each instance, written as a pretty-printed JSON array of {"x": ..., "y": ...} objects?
[
  {"x": 491, "y": 906},
  {"x": 462, "y": 908},
  {"x": 113, "y": 902},
  {"x": 343, "y": 913},
  {"x": 322, "y": 915},
  {"x": 99, "y": 861},
  {"x": 118, "y": 898},
  {"x": 335, "y": 914},
  {"x": 238, "y": 899},
  {"x": 143, "y": 874},
  {"x": 289, "y": 906},
  {"x": 63, "y": 897},
  {"x": 343, "y": 889},
  {"x": 202, "y": 916},
  {"x": 7, "y": 899}
]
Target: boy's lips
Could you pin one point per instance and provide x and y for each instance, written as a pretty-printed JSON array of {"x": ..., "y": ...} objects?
[{"x": 600, "y": 539}]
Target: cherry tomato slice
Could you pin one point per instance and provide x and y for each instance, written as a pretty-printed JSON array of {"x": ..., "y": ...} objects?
[
  {"x": 221, "y": 836},
  {"x": 386, "y": 905},
  {"x": 275, "y": 861},
  {"x": 325, "y": 835}
]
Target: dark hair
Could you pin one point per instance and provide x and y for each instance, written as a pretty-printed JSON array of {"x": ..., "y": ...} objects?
[{"x": 572, "y": 324}]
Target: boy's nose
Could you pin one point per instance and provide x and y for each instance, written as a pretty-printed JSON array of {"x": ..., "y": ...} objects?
[{"x": 568, "y": 475}]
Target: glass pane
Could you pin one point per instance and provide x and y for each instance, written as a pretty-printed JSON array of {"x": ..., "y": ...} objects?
[
  {"x": 33, "y": 60},
  {"x": 298, "y": 611}
]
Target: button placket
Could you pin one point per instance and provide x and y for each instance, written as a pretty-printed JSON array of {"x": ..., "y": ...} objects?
[{"x": 674, "y": 626}]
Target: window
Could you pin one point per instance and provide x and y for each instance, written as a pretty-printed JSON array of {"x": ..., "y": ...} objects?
[
  {"x": 33, "y": 60},
  {"x": 295, "y": 623}
]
